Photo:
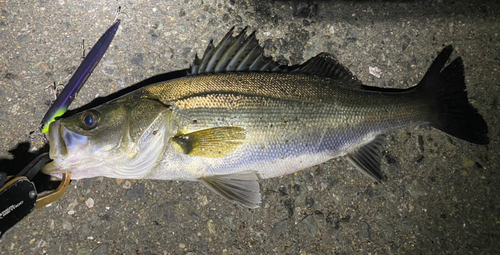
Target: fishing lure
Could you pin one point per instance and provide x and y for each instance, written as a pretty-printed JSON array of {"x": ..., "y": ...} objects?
[{"x": 79, "y": 78}]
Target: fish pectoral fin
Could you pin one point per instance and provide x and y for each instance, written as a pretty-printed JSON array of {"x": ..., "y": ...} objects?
[
  {"x": 240, "y": 188},
  {"x": 211, "y": 143},
  {"x": 367, "y": 158}
]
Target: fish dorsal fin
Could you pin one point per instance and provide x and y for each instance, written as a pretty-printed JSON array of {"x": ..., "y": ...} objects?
[
  {"x": 325, "y": 64},
  {"x": 240, "y": 53},
  {"x": 241, "y": 188},
  {"x": 367, "y": 158},
  {"x": 243, "y": 53}
]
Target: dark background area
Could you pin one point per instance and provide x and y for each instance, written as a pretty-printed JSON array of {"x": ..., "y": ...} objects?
[{"x": 440, "y": 196}]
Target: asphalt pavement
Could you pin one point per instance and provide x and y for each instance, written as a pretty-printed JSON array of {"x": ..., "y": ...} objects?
[{"x": 441, "y": 195}]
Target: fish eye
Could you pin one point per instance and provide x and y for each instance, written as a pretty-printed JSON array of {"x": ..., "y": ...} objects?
[{"x": 89, "y": 120}]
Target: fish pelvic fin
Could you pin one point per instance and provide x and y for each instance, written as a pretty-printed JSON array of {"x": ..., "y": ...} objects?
[
  {"x": 451, "y": 111},
  {"x": 367, "y": 158},
  {"x": 240, "y": 188}
]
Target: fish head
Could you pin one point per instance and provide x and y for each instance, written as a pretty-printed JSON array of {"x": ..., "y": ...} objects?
[{"x": 122, "y": 139}]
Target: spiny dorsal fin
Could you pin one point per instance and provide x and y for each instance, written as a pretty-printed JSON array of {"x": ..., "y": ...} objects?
[
  {"x": 367, "y": 158},
  {"x": 234, "y": 54},
  {"x": 244, "y": 54}
]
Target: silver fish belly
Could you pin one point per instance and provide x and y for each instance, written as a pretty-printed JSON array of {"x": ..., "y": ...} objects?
[{"x": 239, "y": 116}]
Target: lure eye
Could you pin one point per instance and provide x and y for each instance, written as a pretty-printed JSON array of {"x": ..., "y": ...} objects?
[{"x": 89, "y": 120}]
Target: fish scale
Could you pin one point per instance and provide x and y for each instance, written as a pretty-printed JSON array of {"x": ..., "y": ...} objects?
[
  {"x": 294, "y": 125},
  {"x": 260, "y": 120}
]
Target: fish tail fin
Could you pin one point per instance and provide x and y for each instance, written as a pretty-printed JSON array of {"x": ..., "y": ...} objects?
[{"x": 452, "y": 112}]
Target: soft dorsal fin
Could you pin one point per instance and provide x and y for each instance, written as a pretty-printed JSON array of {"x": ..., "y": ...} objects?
[
  {"x": 243, "y": 53},
  {"x": 325, "y": 64}
]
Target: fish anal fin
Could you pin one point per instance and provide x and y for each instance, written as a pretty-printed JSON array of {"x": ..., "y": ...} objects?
[
  {"x": 241, "y": 188},
  {"x": 212, "y": 142},
  {"x": 367, "y": 158}
]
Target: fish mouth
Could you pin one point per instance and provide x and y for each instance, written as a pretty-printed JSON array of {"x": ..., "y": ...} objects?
[
  {"x": 57, "y": 146},
  {"x": 65, "y": 147},
  {"x": 62, "y": 141}
]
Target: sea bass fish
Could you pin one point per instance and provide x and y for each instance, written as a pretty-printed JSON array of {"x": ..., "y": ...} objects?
[{"x": 239, "y": 116}]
